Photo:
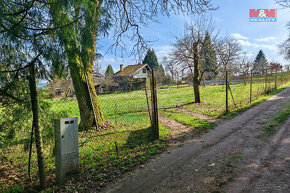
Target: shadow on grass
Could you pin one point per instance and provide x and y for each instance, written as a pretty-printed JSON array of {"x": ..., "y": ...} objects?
[
  {"x": 140, "y": 137},
  {"x": 177, "y": 106}
]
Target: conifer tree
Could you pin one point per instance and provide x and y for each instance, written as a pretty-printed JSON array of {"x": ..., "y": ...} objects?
[
  {"x": 208, "y": 57},
  {"x": 260, "y": 62},
  {"x": 109, "y": 72},
  {"x": 151, "y": 59}
]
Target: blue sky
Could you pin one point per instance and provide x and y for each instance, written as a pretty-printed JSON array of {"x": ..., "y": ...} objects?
[{"x": 232, "y": 19}]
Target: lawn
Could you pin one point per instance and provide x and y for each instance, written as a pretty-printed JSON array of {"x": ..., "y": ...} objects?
[
  {"x": 127, "y": 139},
  {"x": 214, "y": 98}
]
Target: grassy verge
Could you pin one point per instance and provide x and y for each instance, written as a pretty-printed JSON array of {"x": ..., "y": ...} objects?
[
  {"x": 279, "y": 120},
  {"x": 185, "y": 119}
]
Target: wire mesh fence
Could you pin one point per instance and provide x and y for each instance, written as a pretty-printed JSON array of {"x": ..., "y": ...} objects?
[
  {"x": 126, "y": 136},
  {"x": 255, "y": 88},
  {"x": 243, "y": 91},
  {"x": 123, "y": 139}
]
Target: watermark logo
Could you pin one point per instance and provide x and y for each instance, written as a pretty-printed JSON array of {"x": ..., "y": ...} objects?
[{"x": 263, "y": 15}]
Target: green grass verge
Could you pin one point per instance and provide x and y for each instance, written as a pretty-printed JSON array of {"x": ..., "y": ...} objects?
[
  {"x": 274, "y": 125},
  {"x": 185, "y": 119}
]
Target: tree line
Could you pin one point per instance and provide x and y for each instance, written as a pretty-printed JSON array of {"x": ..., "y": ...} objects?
[{"x": 201, "y": 54}]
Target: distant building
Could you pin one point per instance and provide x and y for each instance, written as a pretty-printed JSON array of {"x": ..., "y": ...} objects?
[
  {"x": 132, "y": 77},
  {"x": 134, "y": 71}
]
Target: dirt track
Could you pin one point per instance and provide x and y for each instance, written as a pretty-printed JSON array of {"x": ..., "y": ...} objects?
[{"x": 231, "y": 158}]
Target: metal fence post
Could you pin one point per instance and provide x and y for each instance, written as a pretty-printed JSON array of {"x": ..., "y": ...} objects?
[
  {"x": 251, "y": 82},
  {"x": 281, "y": 76},
  {"x": 154, "y": 106},
  {"x": 148, "y": 104},
  {"x": 227, "y": 94},
  {"x": 266, "y": 81},
  {"x": 287, "y": 74},
  {"x": 276, "y": 79}
]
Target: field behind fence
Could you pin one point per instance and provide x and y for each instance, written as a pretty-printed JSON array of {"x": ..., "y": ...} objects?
[{"x": 126, "y": 138}]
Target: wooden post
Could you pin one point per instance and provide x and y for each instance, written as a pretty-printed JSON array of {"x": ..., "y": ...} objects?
[
  {"x": 276, "y": 79},
  {"x": 269, "y": 81},
  {"x": 149, "y": 110},
  {"x": 281, "y": 76},
  {"x": 288, "y": 74},
  {"x": 251, "y": 82},
  {"x": 227, "y": 94},
  {"x": 94, "y": 114},
  {"x": 154, "y": 106},
  {"x": 266, "y": 81}
]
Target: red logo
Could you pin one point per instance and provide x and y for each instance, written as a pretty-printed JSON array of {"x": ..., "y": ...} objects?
[{"x": 263, "y": 13}]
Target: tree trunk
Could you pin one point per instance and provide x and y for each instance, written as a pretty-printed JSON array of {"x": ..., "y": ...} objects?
[
  {"x": 80, "y": 50},
  {"x": 196, "y": 81},
  {"x": 87, "y": 104},
  {"x": 35, "y": 125}
]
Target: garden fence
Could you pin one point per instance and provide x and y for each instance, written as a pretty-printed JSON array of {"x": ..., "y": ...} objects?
[
  {"x": 131, "y": 124},
  {"x": 121, "y": 141}
]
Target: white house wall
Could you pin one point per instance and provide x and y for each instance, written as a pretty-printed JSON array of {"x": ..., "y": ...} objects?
[{"x": 140, "y": 74}]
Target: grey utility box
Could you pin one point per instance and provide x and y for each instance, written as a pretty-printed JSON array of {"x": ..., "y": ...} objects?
[{"x": 66, "y": 148}]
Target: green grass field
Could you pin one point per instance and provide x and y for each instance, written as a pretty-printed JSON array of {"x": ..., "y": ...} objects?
[
  {"x": 127, "y": 139},
  {"x": 128, "y": 106}
]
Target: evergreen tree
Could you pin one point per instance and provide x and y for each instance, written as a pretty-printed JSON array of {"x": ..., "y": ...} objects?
[
  {"x": 109, "y": 72},
  {"x": 260, "y": 63},
  {"x": 151, "y": 59},
  {"x": 208, "y": 57}
]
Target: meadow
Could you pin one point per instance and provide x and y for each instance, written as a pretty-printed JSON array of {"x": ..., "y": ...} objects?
[{"x": 126, "y": 139}]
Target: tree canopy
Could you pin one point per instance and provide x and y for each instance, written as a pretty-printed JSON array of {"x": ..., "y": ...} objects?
[
  {"x": 260, "y": 62},
  {"x": 109, "y": 72},
  {"x": 208, "y": 57},
  {"x": 151, "y": 59}
]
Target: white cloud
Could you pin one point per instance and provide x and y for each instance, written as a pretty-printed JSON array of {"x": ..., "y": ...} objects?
[
  {"x": 238, "y": 36},
  {"x": 245, "y": 43},
  {"x": 267, "y": 39},
  {"x": 255, "y": 45},
  {"x": 162, "y": 51},
  {"x": 249, "y": 55},
  {"x": 111, "y": 59}
]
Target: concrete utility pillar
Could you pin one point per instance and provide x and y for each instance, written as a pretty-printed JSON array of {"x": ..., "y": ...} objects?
[{"x": 66, "y": 148}]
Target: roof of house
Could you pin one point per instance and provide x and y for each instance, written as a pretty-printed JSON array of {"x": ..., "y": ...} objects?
[{"x": 129, "y": 70}]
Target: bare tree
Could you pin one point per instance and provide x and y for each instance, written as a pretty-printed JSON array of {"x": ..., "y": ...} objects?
[
  {"x": 228, "y": 52},
  {"x": 285, "y": 46},
  {"x": 274, "y": 67},
  {"x": 245, "y": 65},
  {"x": 187, "y": 51},
  {"x": 283, "y": 3},
  {"x": 171, "y": 68},
  {"x": 131, "y": 15}
]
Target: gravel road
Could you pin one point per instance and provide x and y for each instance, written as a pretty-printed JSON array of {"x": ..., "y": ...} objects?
[{"x": 231, "y": 158}]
